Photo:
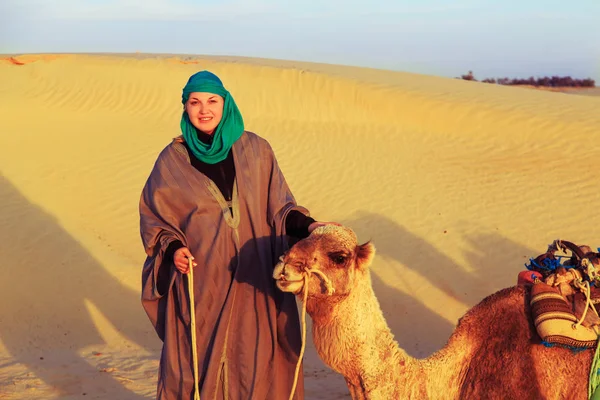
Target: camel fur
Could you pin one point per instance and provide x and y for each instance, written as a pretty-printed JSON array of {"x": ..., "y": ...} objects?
[{"x": 494, "y": 352}]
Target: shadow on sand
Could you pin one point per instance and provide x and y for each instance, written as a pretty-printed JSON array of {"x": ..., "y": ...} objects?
[
  {"x": 495, "y": 262},
  {"x": 47, "y": 278}
]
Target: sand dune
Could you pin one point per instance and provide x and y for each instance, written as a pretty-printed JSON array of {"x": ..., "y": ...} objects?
[{"x": 456, "y": 183}]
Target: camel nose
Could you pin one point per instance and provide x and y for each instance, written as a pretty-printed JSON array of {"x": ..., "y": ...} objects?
[
  {"x": 280, "y": 272},
  {"x": 283, "y": 274}
]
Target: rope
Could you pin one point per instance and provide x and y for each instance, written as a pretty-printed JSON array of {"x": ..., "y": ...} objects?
[
  {"x": 193, "y": 326},
  {"x": 329, "y": 287},
  {"x": 305, "y": 276},
  {"x": 304, "y": 297},
  {"x": 585, "y": 287}
]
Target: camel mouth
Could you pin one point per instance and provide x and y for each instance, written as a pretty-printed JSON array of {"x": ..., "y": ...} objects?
[{"x": 290, "y": 286}]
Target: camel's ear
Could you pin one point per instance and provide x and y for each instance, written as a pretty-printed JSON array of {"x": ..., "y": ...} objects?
[{"x": 364, "y": 255}]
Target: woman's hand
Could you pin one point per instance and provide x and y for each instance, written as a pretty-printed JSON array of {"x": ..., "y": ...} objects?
[
  {"x": 180, "y": 259},
  {"x": 317, "y": 224}
]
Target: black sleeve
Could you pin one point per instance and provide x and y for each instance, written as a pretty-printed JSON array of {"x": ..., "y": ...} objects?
[
  {"x": 164, "y": 272},
  {"x": 170, "y": 251},
  {"x": 296, "y": 224}
]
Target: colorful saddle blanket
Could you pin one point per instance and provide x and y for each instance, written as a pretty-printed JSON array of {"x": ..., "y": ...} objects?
[
  {"x": 556, "y": 316},
  {"x": 565, "y": 293}
]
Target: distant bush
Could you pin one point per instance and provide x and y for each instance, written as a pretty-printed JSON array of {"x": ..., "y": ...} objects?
[
  {"x": 469, "y": 77},
  {"x": 554, "y": 81}
]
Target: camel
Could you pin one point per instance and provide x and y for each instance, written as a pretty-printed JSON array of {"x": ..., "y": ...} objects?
[{"x": 494, "y": 352}]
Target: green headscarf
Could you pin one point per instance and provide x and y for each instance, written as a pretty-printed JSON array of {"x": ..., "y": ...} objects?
[{"x": 227, "y": 132}]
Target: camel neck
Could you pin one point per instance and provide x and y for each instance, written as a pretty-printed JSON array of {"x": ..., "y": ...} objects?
[{"x": 352, "y": 337}]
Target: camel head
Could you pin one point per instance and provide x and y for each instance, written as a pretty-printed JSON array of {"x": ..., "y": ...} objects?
[{"x": 332, "y": 258}]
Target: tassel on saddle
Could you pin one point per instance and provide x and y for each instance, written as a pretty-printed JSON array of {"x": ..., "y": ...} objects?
[{"x": 565, "y": 294}]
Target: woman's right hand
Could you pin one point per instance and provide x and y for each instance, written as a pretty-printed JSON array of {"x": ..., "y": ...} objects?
[{"x": 180, "y": 259}]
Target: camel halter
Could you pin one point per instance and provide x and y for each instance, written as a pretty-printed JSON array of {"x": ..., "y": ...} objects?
[
  {"x": 193, "y": 326},
  {"x": 329, "y": 287}
]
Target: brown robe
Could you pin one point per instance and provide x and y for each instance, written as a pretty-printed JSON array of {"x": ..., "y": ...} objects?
[{"x": 248, "y": 332}]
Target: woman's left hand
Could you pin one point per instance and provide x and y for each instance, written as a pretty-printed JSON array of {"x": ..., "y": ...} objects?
[{"x": 317, "y": 224}]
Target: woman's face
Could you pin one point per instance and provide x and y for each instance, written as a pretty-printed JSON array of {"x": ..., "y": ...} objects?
[{"x": 205, "y": 111}]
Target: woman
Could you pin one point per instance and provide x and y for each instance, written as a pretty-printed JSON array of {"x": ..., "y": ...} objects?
[{"x": 216, "y": 195}]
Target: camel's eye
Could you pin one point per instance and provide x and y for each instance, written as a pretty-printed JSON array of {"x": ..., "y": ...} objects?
[{"x": 338, "y": 259}]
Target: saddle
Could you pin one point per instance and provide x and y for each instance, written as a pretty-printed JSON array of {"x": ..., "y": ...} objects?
[{"x": 565, "y": 295}]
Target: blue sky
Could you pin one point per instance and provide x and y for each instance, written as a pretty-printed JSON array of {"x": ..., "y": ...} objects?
[{"x": 447, "y": 38}]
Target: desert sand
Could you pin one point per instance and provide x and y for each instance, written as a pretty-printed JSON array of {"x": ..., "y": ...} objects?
[{"x": 456, "y": 183}]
